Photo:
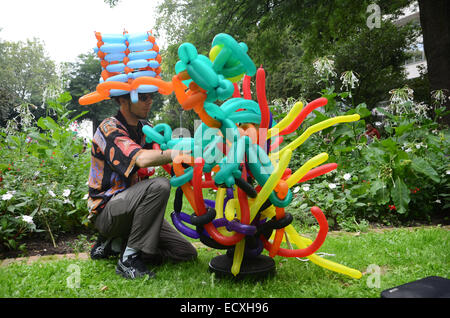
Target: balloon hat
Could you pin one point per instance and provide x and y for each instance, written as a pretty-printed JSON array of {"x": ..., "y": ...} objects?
[
  {"x": 130, "y": 65},
  {"x": 237, "y": 150}
]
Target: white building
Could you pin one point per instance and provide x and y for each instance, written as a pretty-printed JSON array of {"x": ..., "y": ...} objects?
[{"x": 417, "y": 61}]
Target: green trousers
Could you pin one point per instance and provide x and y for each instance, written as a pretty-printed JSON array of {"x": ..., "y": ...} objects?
[{"x": 137, "y": 216}]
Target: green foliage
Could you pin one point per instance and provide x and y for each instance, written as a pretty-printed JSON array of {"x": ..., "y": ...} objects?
[
  {"x": 43, "y": 171},
  {"x": 403, "y": 176},
  {"x": 27, "y": 74},
  {"x": 83, "y": 78}
]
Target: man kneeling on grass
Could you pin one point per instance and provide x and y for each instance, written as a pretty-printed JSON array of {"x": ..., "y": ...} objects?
[{"x": 126, "y": 208}]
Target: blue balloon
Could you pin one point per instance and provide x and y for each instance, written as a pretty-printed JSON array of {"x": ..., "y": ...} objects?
[
  {"x": 140, "y": 46},
  {"x": 113, "y": 47}
]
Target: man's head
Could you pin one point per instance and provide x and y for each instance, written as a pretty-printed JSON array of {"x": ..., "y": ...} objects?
[{"x": 139, "y": 110}]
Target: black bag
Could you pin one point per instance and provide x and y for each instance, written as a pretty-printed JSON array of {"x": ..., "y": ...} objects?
[{"x": 429, "y": 287}]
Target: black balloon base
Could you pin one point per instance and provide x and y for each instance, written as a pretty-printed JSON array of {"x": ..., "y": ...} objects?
[{"x": 258, "y": 267}]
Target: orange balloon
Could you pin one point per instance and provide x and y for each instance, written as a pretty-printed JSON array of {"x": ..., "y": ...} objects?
[
  {"x": 179, "y": 88},
  {"x": 278, "y": 234},
  {"x": 103, "y": 88},
  {"x": 90, "y": 98},
  {"x": 178, "y": 169}
]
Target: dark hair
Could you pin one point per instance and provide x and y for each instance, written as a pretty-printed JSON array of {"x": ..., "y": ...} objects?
[
  {"x": 117, "y": 98},
  {"x": 127, "y": 97}
]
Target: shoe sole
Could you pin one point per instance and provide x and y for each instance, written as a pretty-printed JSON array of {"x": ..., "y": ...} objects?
[{"x": 124, "y": 275}]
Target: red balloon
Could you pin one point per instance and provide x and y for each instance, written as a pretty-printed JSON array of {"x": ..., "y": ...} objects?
[
  {"x": 246, "y": 87},
  {"x": 276, "y": 143},
  {"x": 201, "y": 208},
  {"x": 323, "y": 231},
  {"x": 236, "y": 92},
  {"x": 318, "y": 171},
  {"x": 319, "y": 102},
  {"x": 262, "y": 101}
]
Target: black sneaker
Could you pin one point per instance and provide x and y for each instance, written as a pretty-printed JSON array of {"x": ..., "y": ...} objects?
[
  {"x": 133, "y": 267},
  {"x": 102, "y": 249}
]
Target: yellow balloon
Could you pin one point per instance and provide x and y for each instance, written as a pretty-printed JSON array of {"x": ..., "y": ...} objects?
[
  {"x": 311, "y": 163},
  {"x": 317, "y": 127},
  {"x": 302, "y": 242},
  {"x": 238, "y": 256},
  {"x": 215, "y": 50},
  {"x": 293, "y": 113},
  {"x": 220, "y": 198},
  {"x": 270, "y": 183},
  {"x": 231, "y": 209}
]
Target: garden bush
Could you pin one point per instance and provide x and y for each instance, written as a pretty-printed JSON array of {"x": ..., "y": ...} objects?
[
  {"x": 401, "y": 177},
  {"x": 44, "y": 169}
]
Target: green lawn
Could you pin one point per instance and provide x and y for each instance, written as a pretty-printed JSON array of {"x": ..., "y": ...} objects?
[{"x": 402, "y": 255}]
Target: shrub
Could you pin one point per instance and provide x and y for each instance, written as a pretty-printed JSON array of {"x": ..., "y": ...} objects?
[
  {"x": 400, "y": 177},
  {"x": 43, "y": 173}
]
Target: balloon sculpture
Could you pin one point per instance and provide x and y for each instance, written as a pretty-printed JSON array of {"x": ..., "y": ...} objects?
[{"x": 236, "y": 146}]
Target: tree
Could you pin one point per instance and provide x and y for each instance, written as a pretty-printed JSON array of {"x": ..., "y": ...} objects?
[
  {"x": 84, "y": 75},
  {"x": 435, "y": 22},
  {"x": 27, "y": 72},
  {"x": 286, "y": 36}
]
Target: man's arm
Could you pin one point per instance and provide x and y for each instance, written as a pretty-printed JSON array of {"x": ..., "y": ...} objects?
[{"x": 152, "y": 158}]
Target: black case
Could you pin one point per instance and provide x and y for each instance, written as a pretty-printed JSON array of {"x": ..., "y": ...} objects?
[{"x": 429, "y": 287}]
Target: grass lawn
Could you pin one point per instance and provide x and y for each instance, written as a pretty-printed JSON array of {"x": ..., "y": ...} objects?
[{"x": 402, "y": 255}]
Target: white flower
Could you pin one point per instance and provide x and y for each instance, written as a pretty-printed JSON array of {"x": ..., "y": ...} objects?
[
  {"x": 408, "y": 150},
  {"x": 86, "y": 196},
  {"x": 296, "y": 189},
  {"x": 447, "y": 172},
  {"x": 438, "y": 201},
  {"x": 51, "y": 193},
  {"x": 349, "y": 79},
  {"x": 347, "y": 176},
  {"x": 306, "y": 187},
  {"x": 66, "y": 193},
  {"x": 324, "y": 67},
  {"x": 332, "y": 185},
  {"x": 28, "y": 219},
  {"x": 417, "y": 146},
  {"x": 7, "y": 196}
]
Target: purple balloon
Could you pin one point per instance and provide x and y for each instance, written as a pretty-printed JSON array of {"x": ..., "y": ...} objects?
[
  {"x": 241, "y": 228},
  {"x": 210, "y": 203},
  {"x": 177, "y": 219},
  {"x": 230, "y": 193}
]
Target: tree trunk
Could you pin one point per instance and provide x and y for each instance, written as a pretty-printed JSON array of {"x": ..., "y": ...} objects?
[{"x": 435, "y": 23}]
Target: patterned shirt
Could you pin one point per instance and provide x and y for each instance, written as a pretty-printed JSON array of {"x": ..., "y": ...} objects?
[{"x": 115, "y": 147}]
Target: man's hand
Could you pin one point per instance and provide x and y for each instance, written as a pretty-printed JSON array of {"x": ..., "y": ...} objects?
[{"x": 152, "y": 157}]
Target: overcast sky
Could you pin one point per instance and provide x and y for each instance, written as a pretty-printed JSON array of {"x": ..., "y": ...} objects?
[{"x": 67, "y": 26}]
